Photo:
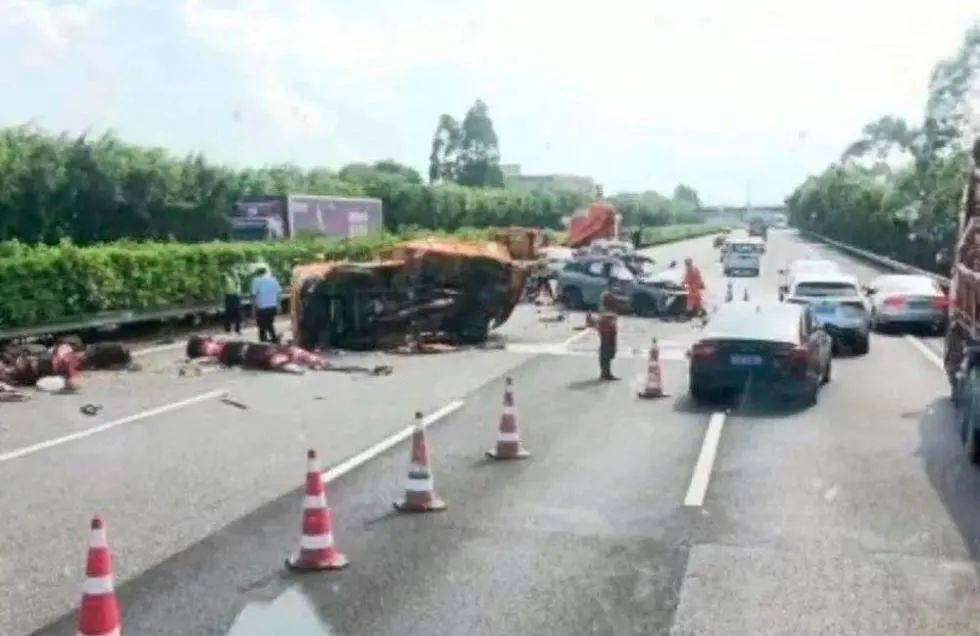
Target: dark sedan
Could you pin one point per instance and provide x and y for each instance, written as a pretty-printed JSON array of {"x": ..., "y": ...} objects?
[{"x": 776, "y": 347}]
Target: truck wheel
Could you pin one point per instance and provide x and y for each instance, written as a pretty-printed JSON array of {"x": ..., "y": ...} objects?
[
  {"x": 970, "y": 418},
  {"x": 572, "y": 298}
]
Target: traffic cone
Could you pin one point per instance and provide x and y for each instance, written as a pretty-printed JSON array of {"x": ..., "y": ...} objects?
[
  {"x": 729, "y": 292},
  {"x": 98, "y": 614},
  {"x": 316, "y": 549},
  {"x": 654, "y": 387},
  {"x": 420, "y": 493},
  {"x": 508, "y": 437}
]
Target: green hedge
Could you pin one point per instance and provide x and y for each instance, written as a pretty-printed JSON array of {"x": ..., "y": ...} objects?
[
  {"x": 671, "y": 233},
  {"x": 50, "y": 284}
]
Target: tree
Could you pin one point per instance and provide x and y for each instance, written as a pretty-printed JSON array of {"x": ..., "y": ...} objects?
[
  {"x": 390, "y": 166},
  {"x": 685, "y": 200},
  {"x": 479, "y": 156},
  {"x": 445, "y": 150}
]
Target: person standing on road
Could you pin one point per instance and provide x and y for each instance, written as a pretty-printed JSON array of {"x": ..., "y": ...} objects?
[
  {"x": 233, "y": 299},
  {"x": 607, "y": 329},
  {"x": 265, "y": 291},
  {"x": 693, "y": 284}
]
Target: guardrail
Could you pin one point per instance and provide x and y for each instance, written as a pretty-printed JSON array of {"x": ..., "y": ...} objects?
[
  {"x": 877, "y": 259},
  {"x": 114, "y": 319}
]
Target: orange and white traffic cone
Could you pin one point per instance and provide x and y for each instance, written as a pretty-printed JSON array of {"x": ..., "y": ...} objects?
[
  {"x": 98, "y": 615},
  {"x": 420, "y": 490},
  {"x": 316, "y": 548},
  {"x": 508, "y": 437},
  {"x": 654, "y": 387}
]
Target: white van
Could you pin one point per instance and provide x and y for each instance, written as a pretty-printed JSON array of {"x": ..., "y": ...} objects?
[{"x": 742, "y": 256}]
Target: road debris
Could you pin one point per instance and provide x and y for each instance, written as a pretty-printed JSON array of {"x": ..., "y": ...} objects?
[
  {"x": 90, "y": 409},
  {"x": 10, "y": 394},
  {"x": 234, "y": 403}
]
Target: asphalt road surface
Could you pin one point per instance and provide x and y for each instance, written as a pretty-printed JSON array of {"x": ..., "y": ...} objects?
[{"x": 859, "y": 515}]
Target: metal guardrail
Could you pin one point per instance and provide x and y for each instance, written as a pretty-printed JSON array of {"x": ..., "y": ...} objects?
[
  {"x": 113, "y": 319},
  {"x": 884, "y": 261}
]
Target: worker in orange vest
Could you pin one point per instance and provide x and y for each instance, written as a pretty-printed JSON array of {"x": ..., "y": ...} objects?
[
  {"x": 693, "y": 284},
  {"x": 607, "y": 329}
]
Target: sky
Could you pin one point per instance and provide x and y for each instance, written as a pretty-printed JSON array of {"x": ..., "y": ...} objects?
[{"x": 735, "y": 99}]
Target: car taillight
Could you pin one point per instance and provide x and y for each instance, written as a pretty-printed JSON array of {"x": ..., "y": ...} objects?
[
  {"x": 894, "y": 302},
  {"x": 940, "y": 302},
  {"x": 703, "y": 350},
  {"x": 793, "y": 355}
]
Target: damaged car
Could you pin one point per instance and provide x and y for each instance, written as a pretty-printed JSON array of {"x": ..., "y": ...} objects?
[{"x": 435, "y": 287}]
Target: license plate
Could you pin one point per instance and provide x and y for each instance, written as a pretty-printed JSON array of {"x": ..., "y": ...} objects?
[
  {"x": 742, "y": 360},
  {"x": 920, "y": 305},
  {"x": 825, "y": 310}
]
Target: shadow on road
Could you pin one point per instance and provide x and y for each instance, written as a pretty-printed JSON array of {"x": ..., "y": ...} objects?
[{"x": 954, "y": 478}]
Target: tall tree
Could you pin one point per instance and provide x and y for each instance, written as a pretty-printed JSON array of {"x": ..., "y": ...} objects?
[
  {"x": 445, "y": 150},
  {"x": 686, "y": 199},
  {"x": 479, "y": 156}
]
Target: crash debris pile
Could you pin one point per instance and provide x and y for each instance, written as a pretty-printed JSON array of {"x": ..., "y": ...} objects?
[
  {"x": 60, "y": 366},
  {"x": 442, "y": 289}
]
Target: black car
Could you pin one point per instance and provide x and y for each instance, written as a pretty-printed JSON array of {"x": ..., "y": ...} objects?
[{"x": 773, "y": 346}]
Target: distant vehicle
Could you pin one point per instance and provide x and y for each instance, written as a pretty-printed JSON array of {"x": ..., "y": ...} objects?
[
  {"x": 760, "y": 245},
  {"x": 295, "y": 215},
  {"x": 582, "y": 281},
  {"x": 776, "y": 347},
  {"x": 757, "y": 227},
  {"x": 720, "y": 238},
  {"x": 741, "y": 256},
  {"x": 838, "y": 307},
  {"x": 779, "y": 222},
  {"x": 804, "y": 266},
  {"x": 907, "y": 300}
]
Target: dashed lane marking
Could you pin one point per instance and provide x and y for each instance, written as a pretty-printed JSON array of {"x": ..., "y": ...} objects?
[
  {"x": 370, "y": 453},
  {"x": 101, "y": 428},
  {"x": 929, "y": 354},
  {"x": 706, "y": 461}
]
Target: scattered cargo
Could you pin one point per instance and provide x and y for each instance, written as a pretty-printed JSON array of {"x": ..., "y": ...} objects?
[{"x": 599, "y": 222}]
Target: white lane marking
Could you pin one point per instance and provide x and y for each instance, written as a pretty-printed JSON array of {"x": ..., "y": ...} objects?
[
  {"x": 351, "y": 463},
  {"x": 142, "y": 415},
  {"x": 575, "y": 337},
  {"x": 706, "y": 460},
  {"x": 930, "y": 355}
]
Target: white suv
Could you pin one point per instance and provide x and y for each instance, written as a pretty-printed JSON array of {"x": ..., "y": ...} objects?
[
  {"x": 741, "y": 255},
  {"x": 837, "y": 305}
]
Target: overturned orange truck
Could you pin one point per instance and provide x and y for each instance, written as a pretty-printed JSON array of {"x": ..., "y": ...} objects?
[{"x": 455, "y": 289}]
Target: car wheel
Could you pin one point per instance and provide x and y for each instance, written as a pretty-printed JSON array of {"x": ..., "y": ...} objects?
[
  {"x": 826, "y": 373},
  {"x": 970, "y": 416},
  {"x": 572, "y": 298},
  {"x": 699, "y": 394},
  {"x": 643, "y": 305},
  {"x": 862, "y": 345},
  {"x": 810, "y": 397}
]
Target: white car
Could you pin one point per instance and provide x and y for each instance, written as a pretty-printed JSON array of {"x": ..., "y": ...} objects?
[
  {"x": 838, "y": 307},
  {"x": 741, "y": 255},
  {"x": 801, "y": 267}
]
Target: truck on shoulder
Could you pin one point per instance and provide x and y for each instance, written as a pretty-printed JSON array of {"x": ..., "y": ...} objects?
[
  {"x": 758, "y": 227},
  {"x": 962, "y": 350},
  {"x": 297, "y": 215}
]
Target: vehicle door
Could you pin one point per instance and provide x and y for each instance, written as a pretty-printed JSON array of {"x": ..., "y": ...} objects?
[{"x": 595, "y": 280}]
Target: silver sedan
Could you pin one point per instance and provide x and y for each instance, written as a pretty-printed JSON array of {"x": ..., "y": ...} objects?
[{"x": 907, "y": 300}]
